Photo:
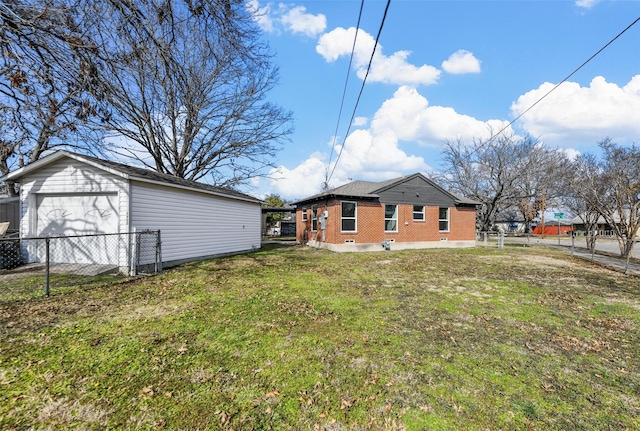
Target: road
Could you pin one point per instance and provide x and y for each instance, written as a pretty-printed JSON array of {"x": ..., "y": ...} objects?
[{"x": 602, "y": 244}]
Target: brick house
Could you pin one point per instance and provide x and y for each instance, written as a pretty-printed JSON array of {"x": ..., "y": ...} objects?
[{"x": 407, "y": 212}]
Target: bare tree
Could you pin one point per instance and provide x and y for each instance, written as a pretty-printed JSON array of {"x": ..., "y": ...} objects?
[
  {"x": 42, "y": 79},
  {"x": 539, "y": 181},
  {"x": 184, "y": 84},
  {"x": 611, "y": 186},
  {"x": 490, "y": 172},
  {"x": 580, "y": 187}
]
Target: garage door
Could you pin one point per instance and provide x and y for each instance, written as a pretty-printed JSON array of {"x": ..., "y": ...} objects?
[
  {"x": 76, "y": 214},
  {"x": 67, "y": 215}
]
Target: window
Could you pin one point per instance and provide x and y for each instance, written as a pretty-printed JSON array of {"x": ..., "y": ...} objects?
[
  {"x": 418, "y": 213},
  {"x": 314, "y": 217},
  {"x": 391, "y": 218},
  {"x": 348, "y": 214},
  {"x": 443, "y": 219},
  {"x": 304, "y": 214}
]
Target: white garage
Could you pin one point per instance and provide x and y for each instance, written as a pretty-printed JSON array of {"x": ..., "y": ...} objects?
[{"x": 68, "y": 194}]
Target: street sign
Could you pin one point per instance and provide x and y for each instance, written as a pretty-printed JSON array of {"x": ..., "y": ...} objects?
[{"x": 558, "y": 215}]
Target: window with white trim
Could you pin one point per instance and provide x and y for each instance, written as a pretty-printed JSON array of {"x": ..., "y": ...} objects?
[
  {"x": 443, "y": 219},
  {"x": 391, "y": 218},
  {"x": 348, "y": 216},
  {"x": 314, "y": 217},
  {"x": 418, "y": 213},
  {"x": 304, "y": 214}
]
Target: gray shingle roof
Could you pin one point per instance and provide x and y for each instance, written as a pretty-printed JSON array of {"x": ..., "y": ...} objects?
[
  {"x": 140, "y": 174},
  {"x": 370, "y": 189},
  {"x": 149, "y": 175},
  {"x": 354, "y": 189}
]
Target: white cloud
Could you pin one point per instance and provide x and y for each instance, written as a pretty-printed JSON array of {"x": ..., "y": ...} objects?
[
  {"x": 572, "y": 114},
  {"x": 571, "y": 153},
  {"x": 304, "y": 180},
  {"x": 362, "y": 157},
  {"x": 360, "y": 121},
  {"x": 376, "y": 153},
  {"x": 297, "y": 20},
  {"x": 461, "y": 62},
  {"x": 587, "y": 4},
  {"x": 410, "y": 117},
  {"x": 261, "y": 15},
  {"x": 294, "y": 19},
  {"x": 394, "y": 69},
  {"x": 339, "y": 41}
]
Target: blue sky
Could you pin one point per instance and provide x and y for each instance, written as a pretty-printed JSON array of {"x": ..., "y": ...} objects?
[{"x": 444, "y": 70}]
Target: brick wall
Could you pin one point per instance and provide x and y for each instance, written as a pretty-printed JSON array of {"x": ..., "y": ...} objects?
[{"x": 370, "y": 224}]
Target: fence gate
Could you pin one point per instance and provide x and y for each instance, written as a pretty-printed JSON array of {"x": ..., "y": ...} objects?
[{"x": 146, "y": 252}]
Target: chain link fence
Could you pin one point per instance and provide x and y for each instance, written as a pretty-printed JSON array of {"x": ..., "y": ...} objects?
[{"x": 32, "y": 265}]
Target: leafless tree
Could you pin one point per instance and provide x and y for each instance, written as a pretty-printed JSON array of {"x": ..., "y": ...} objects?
[
  {"x": 42, "y": 80},
  {"x": 580, "y": 186},
  {"x": 184, "y": 85},
  {"x": 612, "y": 186},
  {"x": 539, "y": 181},
  {"x": 491, "y": 172}
]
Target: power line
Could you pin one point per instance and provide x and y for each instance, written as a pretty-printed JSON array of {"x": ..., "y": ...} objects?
[
  {"x": 384, "y": 17},
  {"x": 344, "y": 92},
  {"x": 565, "y": 79}
]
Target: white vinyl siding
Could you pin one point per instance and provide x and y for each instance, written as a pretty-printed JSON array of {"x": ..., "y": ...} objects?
[
  {"x": 194, "y": 224},
  {"x": 70, "y": 177}
]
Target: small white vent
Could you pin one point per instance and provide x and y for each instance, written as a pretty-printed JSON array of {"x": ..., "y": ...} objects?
[
  {"x": 349, "y": 241},
  {"x": 390, "y": 240},
  {"x": 443, "y": 239}
]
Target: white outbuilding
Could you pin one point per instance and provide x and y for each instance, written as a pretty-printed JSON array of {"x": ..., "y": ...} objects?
[{"x": 66, "y": 193}]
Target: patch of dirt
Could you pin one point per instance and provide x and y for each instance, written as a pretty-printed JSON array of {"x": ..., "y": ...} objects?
[
  {"x": 549, "y": 261},
  {"x": 563, "y": 263},
  {"x": 387, "y": 261}
]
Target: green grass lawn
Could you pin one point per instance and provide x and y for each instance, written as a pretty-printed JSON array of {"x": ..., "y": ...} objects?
[{"x": 303, "y": 339}]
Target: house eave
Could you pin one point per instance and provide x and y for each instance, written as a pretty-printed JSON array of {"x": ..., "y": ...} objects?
[{"x": 330, "y": 196}]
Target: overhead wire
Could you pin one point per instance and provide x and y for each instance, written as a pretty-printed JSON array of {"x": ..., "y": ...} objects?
[
  {"x": 364, "y": 80},
  {"x": 328, "y": 177},
  {"x": 344, "y": 92},
  {"x": 563, "y": 81}
]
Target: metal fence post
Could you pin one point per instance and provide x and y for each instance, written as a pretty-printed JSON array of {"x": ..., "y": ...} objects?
[
  {"x": 158, "y": 254},
  {"x": 47, "y": 266},
  {"x": 137, "y": 236},
  {"x": 132, "y": 252}
]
